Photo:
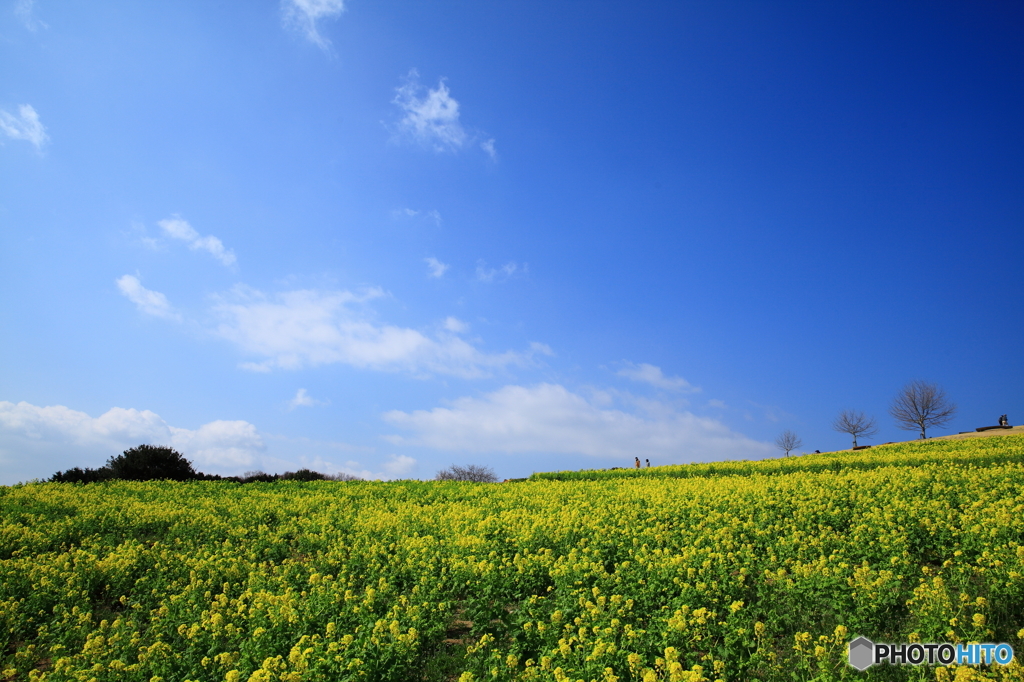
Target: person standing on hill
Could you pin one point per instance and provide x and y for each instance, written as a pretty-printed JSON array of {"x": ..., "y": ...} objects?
[{"x": 637, "y": 462}]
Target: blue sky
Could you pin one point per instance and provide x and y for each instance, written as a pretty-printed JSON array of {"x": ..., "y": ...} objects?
[{"x": 386, "y": 237}]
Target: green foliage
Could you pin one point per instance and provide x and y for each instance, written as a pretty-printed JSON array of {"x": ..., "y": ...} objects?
[
  {"x": 78, "y": 475},
  {"x": 303, "y": 475},
  {"x": 151, "y": 463},
  {"x": 154, "y": 463}
]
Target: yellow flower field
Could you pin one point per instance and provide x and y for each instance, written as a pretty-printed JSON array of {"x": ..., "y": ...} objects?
[{"x": 753, "y": 575}]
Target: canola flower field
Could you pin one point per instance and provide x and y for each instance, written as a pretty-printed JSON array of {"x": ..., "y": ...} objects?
[{"x": 763, "y": 573}]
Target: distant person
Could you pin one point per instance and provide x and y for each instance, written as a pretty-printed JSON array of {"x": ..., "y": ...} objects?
[
  {"x": 637, "y": 462},
  {"x": 648, "y": 462},
  {"x": 1003, "y": 421}
]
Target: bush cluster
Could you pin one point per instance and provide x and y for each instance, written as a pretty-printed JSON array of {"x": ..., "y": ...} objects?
[{"x": 161, "y": 463}]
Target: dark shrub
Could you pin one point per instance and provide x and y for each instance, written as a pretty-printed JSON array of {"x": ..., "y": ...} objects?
[
  {"x": 151, "y": 462},
  {"x": 77, "y": 475},
  {"x": 258, "y": 477},
  {"x": 303, "y": 475}
]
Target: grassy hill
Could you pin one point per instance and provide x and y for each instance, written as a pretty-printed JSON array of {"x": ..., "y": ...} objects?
[
  {"x": 754, "y": 571},
  {"x": 978, "y": 452}
]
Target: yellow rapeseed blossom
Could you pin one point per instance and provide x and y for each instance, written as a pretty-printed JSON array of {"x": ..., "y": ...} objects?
[{"x": 602, "y": 576}]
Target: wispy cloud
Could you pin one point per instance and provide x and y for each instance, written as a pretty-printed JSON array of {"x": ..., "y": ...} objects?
[
  {"x": 432, "y": 214},
  {"x": 25, "y": 126},
  {"x": 394, "y": 467},
  {"x": 323, "y": 456},
  {"x": 454, "y": 324},
  {"x": 218, "y": 444},
  {"x": 770, "y": 413},
  {"x": 303, "y": 15},
  {"x": 177, "y": 228},
  {"x": 147, "y": 301},
  {"x": 306, "y": 328},
  {"x": 548, "y": 418},
  {"x": 303, "y": 399},
  {"x": 435, "y": 267},
  {"x": 653, "y": 375},
  {"x": 23, "y": 10},
  {"x": 431, "y": 118},
  {"x": 510, "y": 269}
]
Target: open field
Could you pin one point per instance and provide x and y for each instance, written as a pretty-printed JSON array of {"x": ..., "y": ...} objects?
[
  {"x": 764, "y": 572},
  {"x": 991, "y": 449}
]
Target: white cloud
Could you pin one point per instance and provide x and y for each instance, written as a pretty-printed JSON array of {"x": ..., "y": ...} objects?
[
  {"x": 23, "y": 10},
  {"x": 548, "y": 418},
  {"x": 437, "y": 268},
  {"x": 510, "y": 269},
  {"x": 541, "y": 348},
  {"x": 653, "y": 375},
  {"x": 454, "y": 324},
  {"x": 715, "y": 402},
  {"x": 25, "y": 126},
  {"x": 177, "y": 228},
  {"x": 221, "y": 444},
  {"x": 307, "y": 328},
  {"x": 399, "y": 465},
  {"x": 303, "y": 399},
  {"x": 150, "y": 302},
  {"x": 488, "y": 146},
  {"x": 302, "y": 15},
  {"x": 432, "y": 118},
  {"x": 65, "y": 438},
  {"x": 395, "y": 467},
  {"x": 432, "y": 214}
]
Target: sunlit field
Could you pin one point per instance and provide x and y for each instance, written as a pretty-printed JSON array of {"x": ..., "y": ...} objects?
[{"x": 734, "y": 571}]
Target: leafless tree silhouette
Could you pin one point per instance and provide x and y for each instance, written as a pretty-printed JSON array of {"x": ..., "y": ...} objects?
[
  {"x": 921, "y": 405},
  {"x": 342, "y": 476},
  {"x": 855, "y": 423},
  {"x": 471, "y": 472},
  {"x": 788, "y": 441}
]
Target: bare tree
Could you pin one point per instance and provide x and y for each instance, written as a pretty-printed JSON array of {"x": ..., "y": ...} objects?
[
  {"x": 342, "y": 476},
  {"x": 855, "y": 423},
  {"x": 471, "y": 472},
  {"x": 920, "y": 405},
  {"x": 788, "y": 441}
]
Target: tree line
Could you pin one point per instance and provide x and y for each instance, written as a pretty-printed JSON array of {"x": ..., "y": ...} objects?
[
  {"x": 918, "y": 406},
  {"x": 161, "y": 463}
]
